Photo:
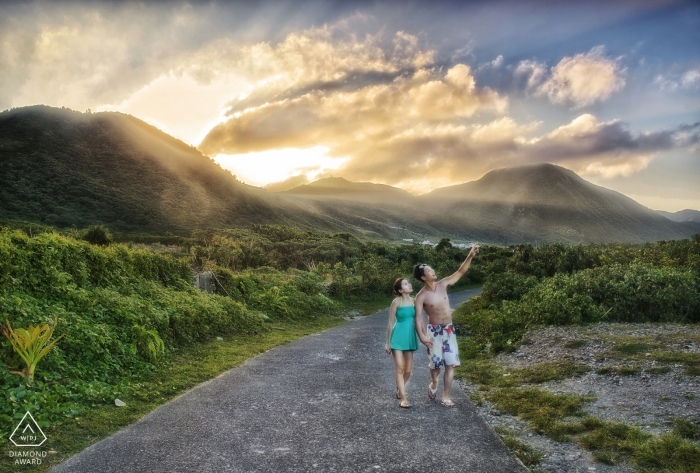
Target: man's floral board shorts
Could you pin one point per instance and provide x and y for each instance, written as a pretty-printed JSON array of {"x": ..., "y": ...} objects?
[{"x": 444, "y": 351}]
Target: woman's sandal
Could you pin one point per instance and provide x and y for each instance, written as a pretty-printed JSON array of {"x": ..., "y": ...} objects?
[
  {"x": 448, "y": 403},
  {"x": 432, "y": 393},
  {"x": 405, "y": 406}
]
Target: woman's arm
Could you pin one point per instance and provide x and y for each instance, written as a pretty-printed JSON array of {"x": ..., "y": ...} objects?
[{"x": 392, "y": 317}]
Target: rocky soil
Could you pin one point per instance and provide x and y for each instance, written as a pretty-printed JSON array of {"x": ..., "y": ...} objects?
[{"x": 636, "y": 388}]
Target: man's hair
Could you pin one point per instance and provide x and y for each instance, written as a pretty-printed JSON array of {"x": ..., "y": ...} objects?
[{"x": 419, "y": 271}]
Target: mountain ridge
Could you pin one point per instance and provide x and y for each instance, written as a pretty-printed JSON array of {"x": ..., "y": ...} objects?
[{"x": 65, "y": 168}]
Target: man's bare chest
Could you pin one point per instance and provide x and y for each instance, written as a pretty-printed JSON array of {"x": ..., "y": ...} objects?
[{"x": 436, "y": 301}]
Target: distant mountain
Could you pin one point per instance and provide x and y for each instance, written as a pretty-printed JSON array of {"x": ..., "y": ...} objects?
[
  {"x": 548, "y": 203},
  {"x": 686, "y": 215},
  {"x": 340, "y": 188},
  {"x": 287, "y": 184},
  {"x": 64, "y": 168}
]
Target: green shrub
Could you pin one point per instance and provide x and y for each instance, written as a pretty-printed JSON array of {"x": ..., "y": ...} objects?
[
  {"x": 99, "y": 294},
  {"x": 634, "y": 293},
  {"x": 97, "y": 235}
]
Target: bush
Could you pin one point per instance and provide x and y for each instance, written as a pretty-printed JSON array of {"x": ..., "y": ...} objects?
[
  {"x": 634, "y": 293},
  {"x": 99, "y": 294},
  {"x": 97, "y": 235}
]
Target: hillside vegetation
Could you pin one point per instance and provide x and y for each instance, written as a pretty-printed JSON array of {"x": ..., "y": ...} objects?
[{"x": 66, "y": 168}]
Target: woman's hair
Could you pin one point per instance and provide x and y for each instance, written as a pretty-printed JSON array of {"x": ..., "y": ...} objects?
[{"x": 397, "y": 286}]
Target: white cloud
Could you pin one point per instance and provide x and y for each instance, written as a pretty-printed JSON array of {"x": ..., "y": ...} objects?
[
  {"x": 584, "y": 79},
  {"x": 691, "y": 79},
  {"x": 534, "y": 72},
  {"x": 673, "y": 82},
  {"x": 495, "y": 64}
]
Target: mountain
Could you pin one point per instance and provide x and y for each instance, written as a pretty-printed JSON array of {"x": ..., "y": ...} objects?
[
  {"x": 340, "y": 188},
  {"x": 686, "y": 215},
  {"x": 548, "y": 203},
  {"x": 65, "y": 168},
  {"x": 287, "y": 184}
]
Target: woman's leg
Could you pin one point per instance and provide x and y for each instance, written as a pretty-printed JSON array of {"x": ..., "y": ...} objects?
[
  {"x": 400, "y": 366},
  {"x": 408, "y": 366}
]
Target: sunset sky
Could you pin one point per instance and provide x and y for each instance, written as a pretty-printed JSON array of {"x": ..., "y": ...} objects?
[{"x": 418, "y": 95}]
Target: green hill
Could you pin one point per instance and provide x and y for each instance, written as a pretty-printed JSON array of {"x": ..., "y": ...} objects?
[{"x": 64, "y": 168}]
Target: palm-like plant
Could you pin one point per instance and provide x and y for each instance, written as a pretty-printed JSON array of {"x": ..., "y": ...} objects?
[{"x": 31, "y": 344}]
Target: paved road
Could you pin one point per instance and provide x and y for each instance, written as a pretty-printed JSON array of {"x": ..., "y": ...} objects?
[{"x": 323, "y": 403}]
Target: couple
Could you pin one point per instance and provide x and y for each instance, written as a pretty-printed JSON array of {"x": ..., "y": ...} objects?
[{"x": 406, "y": 326}]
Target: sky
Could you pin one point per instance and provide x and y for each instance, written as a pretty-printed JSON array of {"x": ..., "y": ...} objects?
[{"x": 418, "y": 95}]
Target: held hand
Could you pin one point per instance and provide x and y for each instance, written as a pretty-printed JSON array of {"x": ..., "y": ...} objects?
[
  {"x": 427, "y": 342},
  {"x": 387, "y": 349}
]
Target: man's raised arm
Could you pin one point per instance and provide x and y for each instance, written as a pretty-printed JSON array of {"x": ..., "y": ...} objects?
[{"x": 452, "y": 280}]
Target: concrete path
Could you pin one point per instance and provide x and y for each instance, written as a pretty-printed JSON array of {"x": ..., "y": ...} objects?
[{"x": 323, "y": 403}]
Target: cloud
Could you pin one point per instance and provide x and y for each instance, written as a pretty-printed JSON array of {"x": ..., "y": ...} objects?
[
  {"x": 495, "y": 64},
  {"x": 434, "y": 156},
  {"x": 595, "y": 148},
  {"x": 86, "y": 54},
  {"x": 689, "y": 81},
  {"x": 422, "y": 127},
  {"x": 371, "y": 114},
  {"x": 584, "y": 79},
  {"x": 80, "y": 56},
  {"x": 321, "y": 59},
  {"x": 533, "y": 74}
]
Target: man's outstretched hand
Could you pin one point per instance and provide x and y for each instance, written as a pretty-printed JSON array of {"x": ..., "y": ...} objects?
[{"x": 474, "y": 251}]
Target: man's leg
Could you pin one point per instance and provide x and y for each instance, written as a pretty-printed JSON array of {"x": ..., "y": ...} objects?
[
  {"x": 449, "y": 375},
  {"x": 434, "y": 373}
]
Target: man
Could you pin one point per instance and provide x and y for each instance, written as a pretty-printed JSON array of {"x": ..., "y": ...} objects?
[{"x": 440, "y": 334}]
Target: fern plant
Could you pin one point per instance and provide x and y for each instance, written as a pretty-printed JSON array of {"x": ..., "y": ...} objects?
[
  {"x": 147, "y": 342},
  {"x": 31, "y": 344}
]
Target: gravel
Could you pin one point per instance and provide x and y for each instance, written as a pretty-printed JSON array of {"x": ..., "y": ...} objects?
[{"x": 649, "y": 399}]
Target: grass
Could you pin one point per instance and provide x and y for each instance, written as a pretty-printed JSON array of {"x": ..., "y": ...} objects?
[
  {"x": 686, "y": 429},
  {"x": 181, "y": 373},
  {"x": 629, "y": 348},
  {"x": 550, "y": 371},
  {"x": 620, "y": 370},
  {"x": 544, "y": 411},
  {"x": 528, "y": 455},
  {"x": 574, "y": 344},
  {"x": 488, "y": 374}
]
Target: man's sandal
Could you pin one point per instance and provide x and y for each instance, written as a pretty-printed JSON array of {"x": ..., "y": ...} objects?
[
  {"x": 448, "y": 403},
  {"x": 432, "y": 393}
]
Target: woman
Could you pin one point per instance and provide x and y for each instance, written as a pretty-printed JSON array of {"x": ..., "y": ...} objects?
[{"x": 402, "y": 340}]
